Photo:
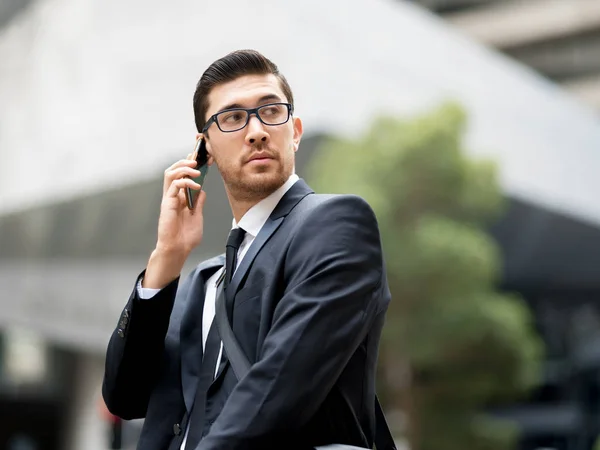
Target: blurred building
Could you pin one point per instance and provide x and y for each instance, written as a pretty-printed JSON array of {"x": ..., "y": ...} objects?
[
  {"x": 96, "y": 102},
  {"x": 558, "y": 38}
]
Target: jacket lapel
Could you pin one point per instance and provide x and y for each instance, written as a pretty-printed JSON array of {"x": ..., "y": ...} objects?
[
  {"x": 265, "y": 233},
  {"x": 192, "y": 295},
  {"x": 291, "y": 198}
]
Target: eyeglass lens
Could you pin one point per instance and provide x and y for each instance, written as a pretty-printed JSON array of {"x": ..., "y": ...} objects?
[{"x": 236, "y": 119}]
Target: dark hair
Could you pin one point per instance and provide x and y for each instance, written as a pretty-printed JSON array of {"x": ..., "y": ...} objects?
[{"x": 229, "y": 68}]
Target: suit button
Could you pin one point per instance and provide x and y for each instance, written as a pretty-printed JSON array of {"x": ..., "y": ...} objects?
[
  {"x": 124, "y": 320},
  {"x": 177, "y": 429},
  {"x": 126, "y": 314},
  {"x": 120, "y": 333}
]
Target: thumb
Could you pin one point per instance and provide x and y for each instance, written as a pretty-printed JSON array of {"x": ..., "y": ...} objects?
[{"x": 200, "y": 199}]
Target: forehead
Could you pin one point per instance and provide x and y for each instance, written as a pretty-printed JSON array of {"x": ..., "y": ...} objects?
[{"x": 244, "y": 91}]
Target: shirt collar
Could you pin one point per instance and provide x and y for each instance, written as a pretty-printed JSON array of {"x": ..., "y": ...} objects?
[{"x": 256, "y": 216}]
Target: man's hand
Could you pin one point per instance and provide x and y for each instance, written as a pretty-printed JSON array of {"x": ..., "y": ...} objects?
[{"x": 179, "y": 228}]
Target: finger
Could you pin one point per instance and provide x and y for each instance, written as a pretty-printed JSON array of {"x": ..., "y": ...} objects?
[
  {"x": 178, "y": 190},
  {"x": 181, "y": 163},
  {"x": 179, "y": 172},
  {"x": 199, "y": 200},
  {"x": 178, "y": 185},
  {"x": 182, "y": 198}
]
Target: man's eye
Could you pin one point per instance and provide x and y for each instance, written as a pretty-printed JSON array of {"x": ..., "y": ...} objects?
[{"x": 233, "y": 117}]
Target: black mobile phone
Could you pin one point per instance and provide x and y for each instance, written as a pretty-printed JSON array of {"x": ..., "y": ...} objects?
[{"x": 201, "y": 156}]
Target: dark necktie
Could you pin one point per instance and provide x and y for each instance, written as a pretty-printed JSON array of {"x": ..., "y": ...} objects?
[
  {"x": 236, "y": 236},
  {"x": 212, "y": 347}
]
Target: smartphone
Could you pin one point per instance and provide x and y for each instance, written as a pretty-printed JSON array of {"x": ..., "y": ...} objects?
[{"x": 201, "y": 156}]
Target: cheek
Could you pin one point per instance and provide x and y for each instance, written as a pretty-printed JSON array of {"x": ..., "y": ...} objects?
[
  {"x": 286, "y": 144},
  {"x": 225, "y": 156},
  {"x": 227, "y": 163}
]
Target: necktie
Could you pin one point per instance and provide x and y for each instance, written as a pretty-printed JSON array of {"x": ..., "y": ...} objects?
[
  {"x": 236, "y": 236},
  {"x": 212, "y": 347}
]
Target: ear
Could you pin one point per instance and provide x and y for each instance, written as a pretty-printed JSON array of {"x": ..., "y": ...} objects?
[
  {"x": 211, "y": 160},
  {"x": 298, "y": 130}
]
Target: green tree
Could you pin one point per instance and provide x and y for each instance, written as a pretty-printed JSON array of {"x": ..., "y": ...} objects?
[{"x": 452, "y": 344}]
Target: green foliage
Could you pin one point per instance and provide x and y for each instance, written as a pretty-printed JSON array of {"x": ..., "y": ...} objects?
[{"x": 452, "y": 343}]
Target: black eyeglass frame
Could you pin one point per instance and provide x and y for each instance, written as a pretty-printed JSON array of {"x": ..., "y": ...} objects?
[{"x": 213, "y": 119}]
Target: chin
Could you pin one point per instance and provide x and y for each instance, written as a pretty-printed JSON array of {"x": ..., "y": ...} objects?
[
  {"x": 266, "y": 182},
  {"x": 261, "y": 184}
]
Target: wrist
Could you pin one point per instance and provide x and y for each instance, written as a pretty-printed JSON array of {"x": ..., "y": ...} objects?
[
  {"x": 170, "y": 252},
  {"x": 163, "y": 267}
]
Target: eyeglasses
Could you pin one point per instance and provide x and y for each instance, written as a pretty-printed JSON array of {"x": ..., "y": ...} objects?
[{"x": 235, "y": 119}]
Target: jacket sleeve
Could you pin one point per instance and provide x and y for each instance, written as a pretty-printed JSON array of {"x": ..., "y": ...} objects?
[
  {"x": 333, "y": 273},
  {"x": 134, "y": 354}
]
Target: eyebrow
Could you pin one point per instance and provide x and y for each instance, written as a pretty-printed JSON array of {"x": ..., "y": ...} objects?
[{"x": 263, "y": 99}]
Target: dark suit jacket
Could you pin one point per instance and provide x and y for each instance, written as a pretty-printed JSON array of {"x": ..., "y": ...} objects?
[{"x": 307, "y": 304}]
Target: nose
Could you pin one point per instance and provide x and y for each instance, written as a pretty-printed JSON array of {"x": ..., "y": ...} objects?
[{"x": 255, "y": 131}]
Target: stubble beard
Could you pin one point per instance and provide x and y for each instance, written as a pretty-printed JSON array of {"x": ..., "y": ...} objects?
[{"x": 255, "y": 186}]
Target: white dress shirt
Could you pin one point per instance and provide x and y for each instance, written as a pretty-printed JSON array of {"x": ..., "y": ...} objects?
[{"x": 251, "y": 223}]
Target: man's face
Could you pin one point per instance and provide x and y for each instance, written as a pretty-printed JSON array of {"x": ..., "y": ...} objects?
[{"x": 257, "y": 159}]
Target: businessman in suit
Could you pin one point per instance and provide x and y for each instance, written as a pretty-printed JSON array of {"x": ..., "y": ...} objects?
[{"x": 305, "y": 292}]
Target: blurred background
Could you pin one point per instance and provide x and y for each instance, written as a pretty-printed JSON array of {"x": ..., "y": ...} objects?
[{"x": 471, "y": 126}]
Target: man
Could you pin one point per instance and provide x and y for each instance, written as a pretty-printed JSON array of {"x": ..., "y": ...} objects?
[{"x": 306, "y": 296}]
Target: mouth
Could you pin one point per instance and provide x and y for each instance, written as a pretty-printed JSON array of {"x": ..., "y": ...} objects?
[{"x": 260, "y": 157}]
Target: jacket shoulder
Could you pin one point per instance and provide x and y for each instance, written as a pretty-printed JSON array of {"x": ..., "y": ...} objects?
[{"x": 335, "y": 201}]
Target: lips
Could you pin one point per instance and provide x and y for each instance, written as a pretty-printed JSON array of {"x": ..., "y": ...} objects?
[{"x": 260, "y": 157}]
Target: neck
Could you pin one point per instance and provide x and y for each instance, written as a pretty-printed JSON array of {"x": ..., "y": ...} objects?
[
  {"x": 242, "y": 198},
  {"x": 239, "y": 208},
  {"x": 240, "y": 204}
]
